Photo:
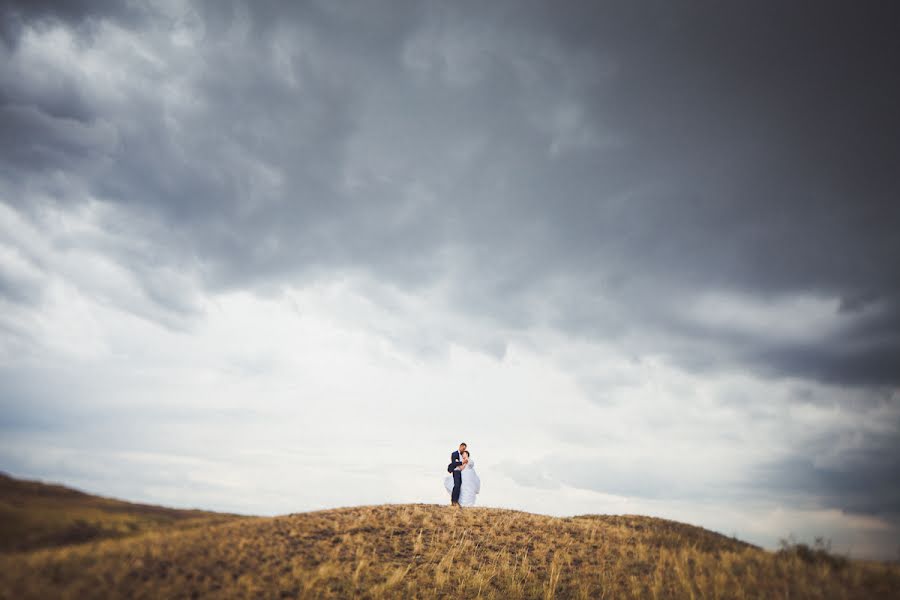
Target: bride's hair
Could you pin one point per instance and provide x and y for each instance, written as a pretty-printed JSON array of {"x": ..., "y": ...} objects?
[{"x": 466, "y": 452}]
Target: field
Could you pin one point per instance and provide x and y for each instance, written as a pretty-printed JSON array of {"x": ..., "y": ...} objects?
[{"x": 394, "y": 551}]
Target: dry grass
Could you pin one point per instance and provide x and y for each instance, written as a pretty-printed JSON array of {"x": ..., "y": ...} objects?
[
  {"x": 39, "y": 515},
  {"x": 427, "y": 551}
]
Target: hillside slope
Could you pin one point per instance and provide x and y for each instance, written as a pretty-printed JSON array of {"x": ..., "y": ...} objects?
[
  {"x": 426, "y": 551},
  {"x": 40, "y": 515}
]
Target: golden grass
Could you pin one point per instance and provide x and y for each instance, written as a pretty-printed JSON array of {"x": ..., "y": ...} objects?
[
  {"x": 428, "y": 551},
  {"x": 39, "y": 515}
]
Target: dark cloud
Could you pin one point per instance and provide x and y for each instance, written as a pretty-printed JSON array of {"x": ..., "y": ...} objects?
[
  {"x": 865, "y": 480},
  {"x": 859, "y": 360},
  {"x": 18, "y": 14},
  {"x": 861, "y": 479},
  {"x": 594, "y": 168}
]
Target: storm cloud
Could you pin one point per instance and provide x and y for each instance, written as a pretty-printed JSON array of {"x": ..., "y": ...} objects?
[{"x": 696, "y": 192}]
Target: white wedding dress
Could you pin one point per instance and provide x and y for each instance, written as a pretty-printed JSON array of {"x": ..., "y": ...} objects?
[{"x": 471, "y": 485}]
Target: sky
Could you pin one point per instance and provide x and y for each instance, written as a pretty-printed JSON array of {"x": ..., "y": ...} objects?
[{"x": 642, "y": 257}]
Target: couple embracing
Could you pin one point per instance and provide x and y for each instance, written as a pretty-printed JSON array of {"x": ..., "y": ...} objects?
[{"x": 463, "y": 482}]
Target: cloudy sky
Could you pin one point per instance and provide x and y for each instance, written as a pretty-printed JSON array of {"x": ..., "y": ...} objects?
[{"x": 643, "y": 257}]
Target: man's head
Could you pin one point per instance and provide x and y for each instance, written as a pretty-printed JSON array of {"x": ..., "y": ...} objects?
[{"x": 462, "y": 447}]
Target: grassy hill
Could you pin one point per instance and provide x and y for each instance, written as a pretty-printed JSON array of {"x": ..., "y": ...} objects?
[
  {"x": 38, "y": 515},
  {"x": 393, "y": 551}
]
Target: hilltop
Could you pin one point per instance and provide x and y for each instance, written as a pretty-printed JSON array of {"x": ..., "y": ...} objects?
[{"x": 409, "y": 551}]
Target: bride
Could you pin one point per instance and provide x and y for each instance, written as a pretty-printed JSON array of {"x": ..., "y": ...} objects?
[{"x": 471, "y": 483}]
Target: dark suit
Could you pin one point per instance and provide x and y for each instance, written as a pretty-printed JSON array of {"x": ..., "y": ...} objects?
[
  {"x": 454, "y": 461},
  {"x": 457, "y": 475}
]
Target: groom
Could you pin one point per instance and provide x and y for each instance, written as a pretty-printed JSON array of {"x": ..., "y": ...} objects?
[{"x": 454, "y": 469}]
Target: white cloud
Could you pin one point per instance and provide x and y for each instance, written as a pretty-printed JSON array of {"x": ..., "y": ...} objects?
[{"x": 320, "y": 396}]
